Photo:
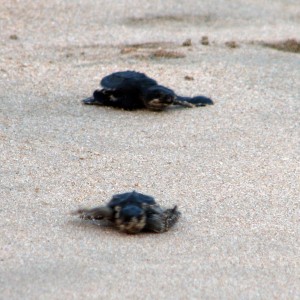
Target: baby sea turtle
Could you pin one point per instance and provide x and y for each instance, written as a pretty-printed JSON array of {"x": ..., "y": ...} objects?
[
  {"x": 133, "y": 212},
  {"x": 133, "y": 90}
]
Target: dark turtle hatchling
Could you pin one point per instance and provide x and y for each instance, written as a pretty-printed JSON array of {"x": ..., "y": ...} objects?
[
  {"x": 133, "y": 212},
  {"x": 133, "y": 90}
]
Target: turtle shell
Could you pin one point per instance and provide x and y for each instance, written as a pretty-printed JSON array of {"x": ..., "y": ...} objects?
[
  {"x": 127, "y": 80},
  {"x": 131, "y": 198}
]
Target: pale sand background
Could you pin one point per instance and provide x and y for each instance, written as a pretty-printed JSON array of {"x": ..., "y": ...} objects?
[{"x": 233, "y": 168}]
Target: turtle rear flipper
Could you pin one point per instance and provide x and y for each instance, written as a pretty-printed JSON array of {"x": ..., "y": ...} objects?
[
  {"x": 96, "y": 213},
  {"x": 193, "y": 101}
]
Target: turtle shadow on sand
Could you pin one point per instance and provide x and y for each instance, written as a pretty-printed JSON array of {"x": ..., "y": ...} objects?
[{"x": 132, "y": 90}]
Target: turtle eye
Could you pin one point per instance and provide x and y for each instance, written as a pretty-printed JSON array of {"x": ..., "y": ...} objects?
[{"x": 167, "y": 99}]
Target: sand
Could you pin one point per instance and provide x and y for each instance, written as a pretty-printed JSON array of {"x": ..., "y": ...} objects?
[{"x": 232, "y": 168}]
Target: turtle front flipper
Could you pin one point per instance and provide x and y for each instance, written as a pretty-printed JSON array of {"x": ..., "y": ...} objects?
[
  {"x": 96, "y": 213},
  {"x": 162, "y": 222},
  {"x": 171, "y": 216},
  {"x": 193, "y": 102}
]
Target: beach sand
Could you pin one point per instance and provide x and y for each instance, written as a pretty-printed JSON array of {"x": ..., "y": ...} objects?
[{"x": 232, "y": 168}]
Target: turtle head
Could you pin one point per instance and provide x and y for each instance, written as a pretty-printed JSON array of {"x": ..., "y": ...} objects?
[
  {"x": 99, "y": 98},
  {"x": 158, "y": 97},
  {"x": 131, "y": 219}
]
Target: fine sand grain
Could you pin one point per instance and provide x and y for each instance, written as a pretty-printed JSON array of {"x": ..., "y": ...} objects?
[{"x": 232, "y": 168}]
